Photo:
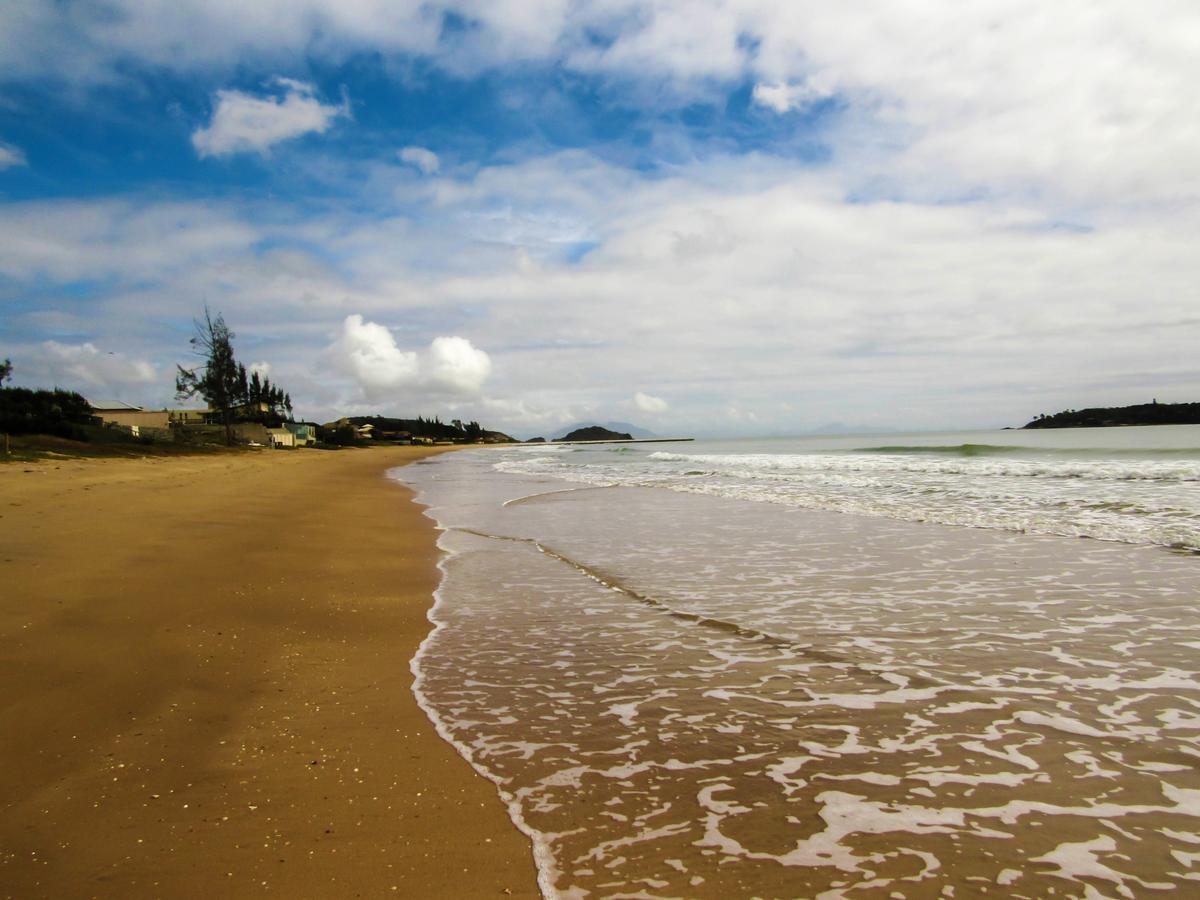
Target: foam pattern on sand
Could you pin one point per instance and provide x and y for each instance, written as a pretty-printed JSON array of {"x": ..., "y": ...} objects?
[{"x": 690, "y": 696}]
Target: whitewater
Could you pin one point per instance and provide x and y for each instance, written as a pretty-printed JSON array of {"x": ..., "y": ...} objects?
[{"x": 895, "y": 666}]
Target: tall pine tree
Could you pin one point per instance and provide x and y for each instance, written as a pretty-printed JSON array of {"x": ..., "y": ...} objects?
[{"x": 219, "y": 378}]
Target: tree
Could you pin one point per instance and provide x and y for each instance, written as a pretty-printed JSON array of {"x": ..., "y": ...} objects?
[
  {"x": 5, "y": 371},
  {"x": 218, "y": 379}
]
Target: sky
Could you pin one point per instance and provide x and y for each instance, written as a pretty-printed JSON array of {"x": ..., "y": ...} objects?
[{"x": 709, "y": 217}]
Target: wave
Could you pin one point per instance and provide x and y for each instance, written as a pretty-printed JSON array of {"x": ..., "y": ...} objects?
[
  {"x": 948, "y": 450},
  {"x": 970, "y": 450}
]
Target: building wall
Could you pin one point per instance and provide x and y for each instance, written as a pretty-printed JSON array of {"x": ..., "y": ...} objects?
[
  {"x": 281, "y": 437},
  {"x": 305, "y": 434},
  {"x": 190, "y": 416},
  {"x": 143, "y": 418},
  {"x": 246, "y": 432}
]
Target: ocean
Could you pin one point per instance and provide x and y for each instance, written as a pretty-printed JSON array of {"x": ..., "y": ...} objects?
[{"x": 902, "y": 665}]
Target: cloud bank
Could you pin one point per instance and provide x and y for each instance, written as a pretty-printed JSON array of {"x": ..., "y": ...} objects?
[
  {"x": 1088, "y": 96},
  {"x": 86, "y": 366},
  {"x": 964, "y": 214}
]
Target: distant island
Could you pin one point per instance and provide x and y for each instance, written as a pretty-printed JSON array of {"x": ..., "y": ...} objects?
[
  {"x": 1153, "y": 413},
  {"x": 634, "y": 431},
  {"x": 596, "y": 433}
]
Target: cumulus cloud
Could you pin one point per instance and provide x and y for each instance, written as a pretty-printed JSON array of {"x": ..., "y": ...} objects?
[
  {"x": 243, "y": 123},
  {"x": 10, "y": 156},
  {"x": 425, "y": 160},
  {"x": 648, "y": 403},
  {"x": 368, "y": 352},
  {"x": 457, "y": 367},
  {"x": 86, "y": 367}
]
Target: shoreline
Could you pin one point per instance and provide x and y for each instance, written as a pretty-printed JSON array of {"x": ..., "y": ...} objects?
[
  {"x": 719, "y": 697},
  {"x": 208, "y": 689}
]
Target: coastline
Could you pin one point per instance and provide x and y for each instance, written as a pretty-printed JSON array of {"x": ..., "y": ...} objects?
[
  {"x": 208, "y": 691},
  {"x": 713, "y": 697}
]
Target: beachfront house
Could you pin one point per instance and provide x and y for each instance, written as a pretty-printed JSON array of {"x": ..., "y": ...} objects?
[
  {"x": 280, "y": 437},
  {"x": 191, "y": 416},
  {"x": 304, "y": 433},
  {"x": 251, "y": 433},
  {"x": 137, "y": 421}
]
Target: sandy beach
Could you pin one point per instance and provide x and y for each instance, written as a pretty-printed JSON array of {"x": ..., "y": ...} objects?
[{"x": 206, "y": 680}]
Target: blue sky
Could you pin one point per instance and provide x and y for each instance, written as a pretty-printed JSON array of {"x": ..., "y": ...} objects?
[{"x": 712, "y": 217}]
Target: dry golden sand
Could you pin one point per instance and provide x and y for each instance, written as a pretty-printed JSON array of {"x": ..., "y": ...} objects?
[{"x": 205, "y": 686}]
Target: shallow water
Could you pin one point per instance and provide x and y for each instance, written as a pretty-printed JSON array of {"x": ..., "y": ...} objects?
[{"x": 688, "y": 695}]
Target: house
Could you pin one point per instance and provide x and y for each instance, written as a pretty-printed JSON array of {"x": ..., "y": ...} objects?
[
  {"x": 191, "y": 416},
  {"x": 251, "y": 433},
  {"x": 280, "y": 437},
  {"x": 251, "y": 410},
  {"x": 134, "y": 418},
  {"x": 305, "y": 433}
]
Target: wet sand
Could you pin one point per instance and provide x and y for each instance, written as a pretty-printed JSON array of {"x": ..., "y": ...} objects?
[
  {"x": 206, "y": 686},
  {"x": 704, "y": 697}
]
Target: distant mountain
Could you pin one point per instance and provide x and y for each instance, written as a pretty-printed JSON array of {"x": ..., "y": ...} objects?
[
  {"x": 595, "y": 433},
  {"x": 625, "y": 427},
  {"x": 1105, "y": 416}
]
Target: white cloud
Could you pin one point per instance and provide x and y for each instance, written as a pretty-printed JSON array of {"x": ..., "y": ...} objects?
[
  {"x": 262, "y": 368},
  {"x": 648, "y": 403},
  {"x": 425, "y": 160},
  {"x": 745, "y": 279},
  {"x": 242, "y": 123},
  {"x": 783, "y": 97},
  {"x": 85, "y": 367},
  {"x": 1083, "y": 100},
  {"x": 368, "y": 352},
  {"x": 457, "y": 367},
  {"x": 11, "y": 156},
  {"x": 71, "y": 239}
]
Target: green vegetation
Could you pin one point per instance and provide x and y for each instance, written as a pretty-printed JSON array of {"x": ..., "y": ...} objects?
[
  {"x": 61, "y": 423},
  {"x": 221, "y": 380},
  {"x": 60, "y": 413},
  {"x": 596, "y": 433},
  {"x": 1153, "y": 413},
  {"x": 388, "y": 429}
]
